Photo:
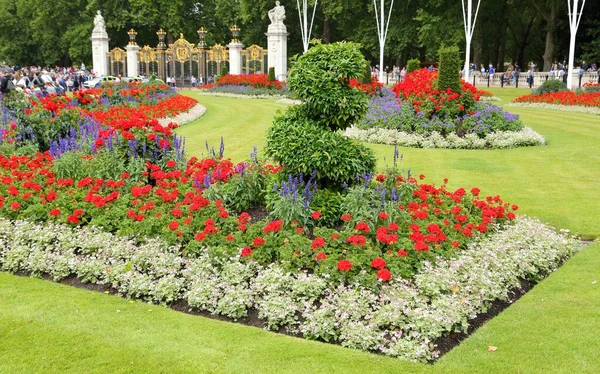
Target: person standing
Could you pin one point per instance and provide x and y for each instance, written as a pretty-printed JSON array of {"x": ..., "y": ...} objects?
[{"x": 530, "y": 76}]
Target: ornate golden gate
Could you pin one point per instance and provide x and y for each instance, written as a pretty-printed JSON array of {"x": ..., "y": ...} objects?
[
  {"x": 184, "y": 60},
  {"x": 148, "y": 61},
  {"x": 254, "y": 60},
  {"x": 217, "y": 57},
  {"x": 117, "y": 62}
]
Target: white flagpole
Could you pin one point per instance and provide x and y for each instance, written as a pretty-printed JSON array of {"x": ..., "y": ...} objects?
[
  {"x": 382, "y": 31},
  {"x": 305, "y": 28},
  {"x": 574, "y": 19},
  {"x": 469, "y": 23}
]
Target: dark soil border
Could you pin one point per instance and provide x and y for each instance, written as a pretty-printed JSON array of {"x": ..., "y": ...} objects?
[{"x": 444, "y": 344}]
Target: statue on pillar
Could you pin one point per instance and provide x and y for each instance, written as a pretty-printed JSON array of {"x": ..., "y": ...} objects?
[
  {"x": 277, "y": 14},
  {"x": 99, "y": 24}
]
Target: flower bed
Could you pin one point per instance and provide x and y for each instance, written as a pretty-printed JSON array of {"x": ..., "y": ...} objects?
[
  {"x": 390, "y": 121},
  {"x": 566, "y": 98},
  {"x": 495, "y": 140},
  {"x": 424, "y": 116},
  {"x": 251, "y": 80},
  {"x": 243, "y": 91},
  {"x": 401, "y": 318}
]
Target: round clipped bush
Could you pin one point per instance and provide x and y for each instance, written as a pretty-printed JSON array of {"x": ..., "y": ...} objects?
[
  {"x": 304, "y": 147},
  {"x": 412, "y": 65},
  {"x": 320, "y": 79},
  {"x": 552, "y": 85}
]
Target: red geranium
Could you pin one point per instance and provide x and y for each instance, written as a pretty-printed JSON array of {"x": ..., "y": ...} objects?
[
  {"x": 378, "y": 263},
  {"x": 344, "y": 265}
]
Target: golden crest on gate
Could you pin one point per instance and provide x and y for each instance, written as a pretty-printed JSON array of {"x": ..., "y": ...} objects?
[
  {"x": 182, "y": 53},
  {"x": 118, "y": 55}
]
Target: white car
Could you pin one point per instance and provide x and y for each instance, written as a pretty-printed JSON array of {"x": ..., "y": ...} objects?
[{"x": 97, "y": 82}]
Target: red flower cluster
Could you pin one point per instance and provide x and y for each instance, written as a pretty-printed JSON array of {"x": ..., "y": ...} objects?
[
  {"x": 254, "y": 80},
  {"x": 418, "y": 88},
  {"x": 591, "y": 99},
  {"x": 370, "y": 88}
]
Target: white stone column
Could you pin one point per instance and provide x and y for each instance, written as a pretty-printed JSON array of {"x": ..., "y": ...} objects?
[
  {"x": 235, "y": 58},
  {"x": 99, "y": 51},
  {"x": 132, "y": 60},
  {"x": 277, "y": 49},
  {"x": 99, "y": 46}
]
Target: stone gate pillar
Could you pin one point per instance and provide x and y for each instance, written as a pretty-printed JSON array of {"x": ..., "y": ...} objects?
[
  {"x": 235, "y": 52},
  {"x": 99, "y": 46},
  {"x": 277, "y": 42},
  {"x": 132, "y": 55}
]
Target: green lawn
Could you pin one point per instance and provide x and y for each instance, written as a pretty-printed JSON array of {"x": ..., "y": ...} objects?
[{"x": 49, "y": 328}]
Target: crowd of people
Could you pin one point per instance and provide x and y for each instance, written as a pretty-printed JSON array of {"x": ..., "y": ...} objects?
[{"x": 34, "y": 79}]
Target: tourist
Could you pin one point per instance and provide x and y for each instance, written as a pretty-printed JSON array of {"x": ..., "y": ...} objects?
[
  {"x": 194, "y": 81},
  {"x": 402, "y": 74},
  {"x": 530, "y": 76}
]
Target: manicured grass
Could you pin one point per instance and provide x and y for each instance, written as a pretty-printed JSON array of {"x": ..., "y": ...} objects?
[
  {"x": 241, "y": 122},
  {"x": 51, "y": 328},
  {"x": 555, "y": 182}
]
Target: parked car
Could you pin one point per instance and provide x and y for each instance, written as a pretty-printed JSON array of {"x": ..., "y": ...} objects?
[
  {"x": 97, "y": 82},
  {"x": 134, "y": 80}
]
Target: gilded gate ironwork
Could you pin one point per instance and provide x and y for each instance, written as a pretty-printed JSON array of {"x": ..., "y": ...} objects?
[
  {"x": 183, "y": 60},
  {"x": 148, "y": 61},
  {"x": 217, "y": 57},
  {"x": 117, "y": 62},
  {"x": 254, "y": 60}
]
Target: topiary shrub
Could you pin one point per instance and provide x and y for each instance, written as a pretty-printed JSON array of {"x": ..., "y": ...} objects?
[
  {"x": 320, "y": 79},
  {"x": 305, "y": 139},
  {"x": 224, "y": 70},
  {"x": 448, "y": 76},
  {"x": 271, "y": 74},
  {"x": 551, "y": 85},
  {"x": 412, "y": 65}
]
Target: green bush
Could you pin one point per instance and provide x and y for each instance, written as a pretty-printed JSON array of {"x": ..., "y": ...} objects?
[
  {"x": 271, "y": 74},
  {"x": 304, "y": 139},
  {"x": 242, "y": 191},
  {"x": 551, "y": 85},
  {"x": 449, "y": 69},
  {"x": 304, "y": 147},
  {"x": 320, "y": 80},
  {"x": 224, "y": 70},
  {"x": 412, "y": 65}
]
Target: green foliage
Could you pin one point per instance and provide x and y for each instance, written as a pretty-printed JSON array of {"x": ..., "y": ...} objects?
[
  {"x": 104, "y": 165},
  {"x": 271, "y": 74},
  {"x": 224, "y": 70},
  {"x": 412, "y": 65},
  {"x": 361, "y": 203},
  {"x": 21, "y": 149},
  {"x": 551, "y": 85},
  {"x": 288, "y": 208},
  {"x": 320, "y": 80},
  {"x": 304, "y": 147},
  {"x": 327, "y": 202},
  {"x": 448, "y": 77},
  {"x": 366, "y": 77},
  {"x": 242, "y": 191},
  {"x": 303, "y": 138}
]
